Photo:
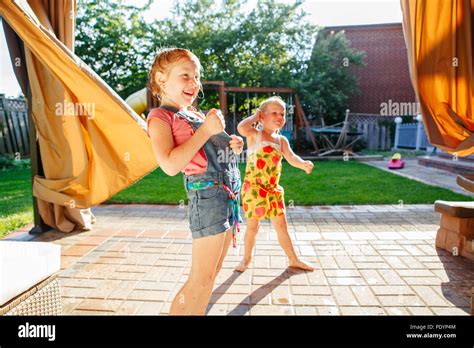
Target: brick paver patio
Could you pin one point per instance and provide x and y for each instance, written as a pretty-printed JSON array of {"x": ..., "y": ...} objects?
[{"x": 378, "y": 260}]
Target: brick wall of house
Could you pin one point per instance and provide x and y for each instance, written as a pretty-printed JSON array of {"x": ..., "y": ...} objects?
[{"x": 386, "y": 75}]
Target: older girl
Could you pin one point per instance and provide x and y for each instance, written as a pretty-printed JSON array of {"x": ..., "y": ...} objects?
[{"x": 185, "y": 140}]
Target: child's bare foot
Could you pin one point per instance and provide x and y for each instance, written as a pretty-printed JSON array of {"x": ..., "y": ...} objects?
[
  {"x": 300, "y": 263},
  {"x": 243, "y": 265}
]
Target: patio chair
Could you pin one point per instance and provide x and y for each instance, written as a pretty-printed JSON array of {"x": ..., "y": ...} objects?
[{"x": 342, "y": 144}]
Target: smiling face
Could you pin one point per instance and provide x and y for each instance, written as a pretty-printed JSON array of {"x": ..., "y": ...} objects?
[
  {"x": 273, "y": 116},
  {"x": 181, "y": 85}
]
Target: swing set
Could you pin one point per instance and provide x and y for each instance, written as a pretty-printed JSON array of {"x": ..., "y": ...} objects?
[{"x": 242, "y": 96}]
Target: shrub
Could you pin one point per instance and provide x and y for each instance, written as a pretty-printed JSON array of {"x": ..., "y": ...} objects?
[{"x": 9, "y": 161}]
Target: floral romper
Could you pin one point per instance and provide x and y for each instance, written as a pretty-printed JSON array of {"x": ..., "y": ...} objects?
[{"x": 261, "y": 195}]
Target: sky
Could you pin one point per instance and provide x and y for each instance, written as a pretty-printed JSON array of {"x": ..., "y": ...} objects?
[{"x": 320, "y": 12}]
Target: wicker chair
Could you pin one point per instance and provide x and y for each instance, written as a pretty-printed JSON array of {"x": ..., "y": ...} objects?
[
  {"x": 29, "y": 283},
  {"x": 41, "y": 299}
]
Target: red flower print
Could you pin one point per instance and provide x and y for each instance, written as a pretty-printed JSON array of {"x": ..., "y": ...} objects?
[
  {"x": 281, "y": 205},
  {"x": 262, "y": 193},
  {"x": 246, "y": 207},
  {"x": 260, "y": 163},
  {"x": 275, "y": 159},
  {"x": 260, "y": 211},
  {"x": 273, "y": 180},
  {"x": 258, "y": 181},
  {"x": 267, "y": 149},
  {"x": 274, "y": 205},
  {"x": 246, "y": 185}
]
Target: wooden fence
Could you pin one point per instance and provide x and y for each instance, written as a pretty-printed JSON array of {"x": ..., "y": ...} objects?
[
  {"x": 375, "y": 136},
  {"x": 14, "y": 126}
]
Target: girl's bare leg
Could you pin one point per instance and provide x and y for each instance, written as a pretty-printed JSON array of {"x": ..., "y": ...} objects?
[
  {"x": 228, "y": 239},
  {"x": 249, "y": 243},
  {"x": 281, "y": 228},
  {"x": 193, "y": 297}
]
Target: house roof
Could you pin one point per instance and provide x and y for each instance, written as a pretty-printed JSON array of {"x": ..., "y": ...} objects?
[{"x": 364, "y": 26}]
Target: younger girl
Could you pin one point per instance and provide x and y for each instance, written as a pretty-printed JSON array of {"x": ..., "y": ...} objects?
[
  {"x": 261, "y": 195},
  {"x": 187, "y": 141}
]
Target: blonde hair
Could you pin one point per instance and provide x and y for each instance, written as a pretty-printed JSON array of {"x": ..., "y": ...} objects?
[
  {"x": 275, "y": 99},
  {"x": 272, "y": 100},
  {"x": 163, "y": 62}
]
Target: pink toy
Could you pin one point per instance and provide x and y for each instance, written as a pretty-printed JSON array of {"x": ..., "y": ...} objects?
[{"x": 396, "y": 162}]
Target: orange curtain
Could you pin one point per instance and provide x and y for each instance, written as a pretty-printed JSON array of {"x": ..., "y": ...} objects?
[
  {"x": 92, "y": 143},
  {"x": 439, "y": 39}
]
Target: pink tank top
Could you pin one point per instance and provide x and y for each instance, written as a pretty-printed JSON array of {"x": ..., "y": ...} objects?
[{"x": 181, "y": 131}]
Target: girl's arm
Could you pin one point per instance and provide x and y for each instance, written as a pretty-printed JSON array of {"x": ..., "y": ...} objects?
[
  {"x": 173, "y": 159},
  {"x": 245, "y": 126},
  {"x": 292, "y": 158}
]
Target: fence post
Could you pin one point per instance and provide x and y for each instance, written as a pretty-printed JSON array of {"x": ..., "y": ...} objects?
[
  {"x": 366, "y": 133},
  {"x": 376, "y": 137},
  {"x": 418, "y": 132},
  {"x": 382, "y": 138},
  {"x": 388, "y": 142},
  {"x": 398, "y": 121},
  {"x": 369, "y": 136}
]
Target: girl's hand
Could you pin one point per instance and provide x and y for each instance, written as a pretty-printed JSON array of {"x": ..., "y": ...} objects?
[
  {"x": 236, "y": 144},
  {"x": 308, "y": 166},
  {"x": 258, "y": 119},
  {"x": 214, "y": 122}
]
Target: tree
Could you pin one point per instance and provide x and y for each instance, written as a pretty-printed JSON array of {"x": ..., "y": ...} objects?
[
  {"x": 112, "y": 38},
  {"x": 329, "y": 82},
  {"x": 269, "y": 45},
  {"x": 261, "y": 47}
]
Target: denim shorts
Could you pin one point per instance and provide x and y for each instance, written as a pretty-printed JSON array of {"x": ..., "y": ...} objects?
[{"x": 208, "y": 209}]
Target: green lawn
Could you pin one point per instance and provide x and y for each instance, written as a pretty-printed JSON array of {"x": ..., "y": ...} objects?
[
  {"x": 352, "y": 182},
  {"x": 15, "y": 199},
  {"x": 330, "y": 183}
]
